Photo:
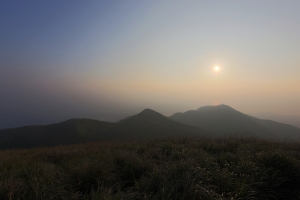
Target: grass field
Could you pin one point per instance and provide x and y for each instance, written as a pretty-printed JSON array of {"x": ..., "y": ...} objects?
[{"x": 195, "y": 168}]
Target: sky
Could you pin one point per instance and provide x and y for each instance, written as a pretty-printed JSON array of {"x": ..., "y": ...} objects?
[{"x": 109, "y": 59}]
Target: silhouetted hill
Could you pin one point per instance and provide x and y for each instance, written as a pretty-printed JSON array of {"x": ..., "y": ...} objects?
[
  {"x": 223, "y": 119},
  {"x": 293, "y": 120},
  {"x": 209, "y": 120},
  {"x": 67, "y": 132},
  {"x": 147, "y": 124},
  {"x": 151, "y": 124},
  {"x": 280, "y": 129},
  {"x": 145, "y": 114}
]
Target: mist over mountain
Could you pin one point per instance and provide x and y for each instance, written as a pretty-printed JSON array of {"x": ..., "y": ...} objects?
[
  {"x": 105, "y": 60},
  {"x": 68, "y": 132},
  {"x": 223, "y": 119},
  {"x": 49, "y": 115},
  {"x": 83, "y": 72},
  {"x": 152, "y": 124},
  {"x": 219, "y": 120},
  {"x": 287, "y": 119},
  {"x": 146, "y": 125},
  {"x": 280, "y": 129}
]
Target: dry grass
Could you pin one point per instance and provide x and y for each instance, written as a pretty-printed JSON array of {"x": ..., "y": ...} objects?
[{"x": 197, "y": 168}]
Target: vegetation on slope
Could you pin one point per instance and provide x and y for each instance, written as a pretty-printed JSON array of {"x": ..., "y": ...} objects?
[{"x": 199, "y": 168}]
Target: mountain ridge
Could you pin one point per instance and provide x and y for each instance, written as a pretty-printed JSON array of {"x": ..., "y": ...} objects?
[
  {"x": 148, "y": 124},
  {"x": 154, "y": 123},
  {"x": 224, "y": 119}
]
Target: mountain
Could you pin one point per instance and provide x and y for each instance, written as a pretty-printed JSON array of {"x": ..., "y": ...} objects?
[
  {"x": 223, "y": 119},
  {"x": 209, "y": 120},
  {"x": 280, "y": 129},
  {"x": 68, "y": 132},
  {"x": 151, "y": 124},
  {"x": 286, "y": 119},
  {"x": 147, "y": 124}
]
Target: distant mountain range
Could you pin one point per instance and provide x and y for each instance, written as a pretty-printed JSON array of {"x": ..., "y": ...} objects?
[
  {"x": 223, "y": 119},
  {"x": 206, "y": 121},
  {"x": 146, "y": 125},
  {"x": 68, "y": 132}
]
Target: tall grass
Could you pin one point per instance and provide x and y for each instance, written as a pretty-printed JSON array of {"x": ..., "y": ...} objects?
[{"x": 195, "y": 168}]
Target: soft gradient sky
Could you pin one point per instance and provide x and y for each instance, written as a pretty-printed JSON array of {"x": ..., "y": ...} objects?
[{"x": 61, "y": 59}]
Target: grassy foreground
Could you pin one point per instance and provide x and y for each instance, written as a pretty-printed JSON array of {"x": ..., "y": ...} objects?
[{"x": 199, "y": 168}]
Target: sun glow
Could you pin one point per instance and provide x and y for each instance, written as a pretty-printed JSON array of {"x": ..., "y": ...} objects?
[{"x": 216, "y": 68}]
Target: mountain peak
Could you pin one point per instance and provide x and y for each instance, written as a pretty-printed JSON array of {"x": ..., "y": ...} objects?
[
  {"x": 148, "y": 110},
  {"x": 145, "y": 114},
  {"x": 217, "y": 107},
  {"x": 222, "y": 119},
  {"x": 223, "y": 106},
  {"x": 149, "y": 113}
]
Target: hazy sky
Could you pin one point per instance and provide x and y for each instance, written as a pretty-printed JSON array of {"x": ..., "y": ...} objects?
[{"x": 61, "y": 59}]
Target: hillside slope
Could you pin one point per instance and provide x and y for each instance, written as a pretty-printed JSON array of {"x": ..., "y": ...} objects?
[
  {"x": 68, "y": 132},
  {"x": 146, "y": 125},
  {"x": 223, "y": 120},
  {"x": 151, "y": 124},
  {"x": 280, "y": 129}
]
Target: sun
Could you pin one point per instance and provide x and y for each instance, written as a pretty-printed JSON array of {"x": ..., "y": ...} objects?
[{"x": 216, "y": 68}]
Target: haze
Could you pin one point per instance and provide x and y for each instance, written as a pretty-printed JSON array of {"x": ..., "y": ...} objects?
[{"x": 110, "y": 59}]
